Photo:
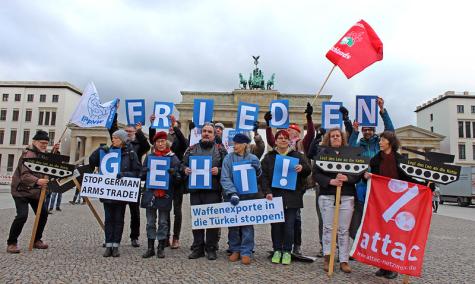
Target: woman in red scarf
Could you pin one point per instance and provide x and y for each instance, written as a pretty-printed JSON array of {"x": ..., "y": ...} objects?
[{"x": 159, "y": 200}]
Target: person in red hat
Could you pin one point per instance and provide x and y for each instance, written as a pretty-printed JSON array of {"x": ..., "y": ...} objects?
[{"x": 158, "y": 200}]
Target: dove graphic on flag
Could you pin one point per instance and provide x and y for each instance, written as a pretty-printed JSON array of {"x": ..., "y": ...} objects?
[
  {"x": 357, "y": 49},
  {"x": 91, "y": 113}
]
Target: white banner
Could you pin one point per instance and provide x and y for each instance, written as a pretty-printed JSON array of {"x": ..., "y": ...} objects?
[
  {"x": 100, "y": 186},
  {"x": 249, "y": 212}
]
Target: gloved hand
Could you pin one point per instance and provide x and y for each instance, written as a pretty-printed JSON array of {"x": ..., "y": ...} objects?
[
  {"x": 119, "y": 175},
  {"x": 191, "y": 125},
  {"x": 268, "y": 117},
  {"x": 320, "y": 132},
  {"x": 309, "y": 110},
  {"x": 344, "y": 113},
  {"x": 256, "y": 126},
  {"x": 234, "y": 199}
]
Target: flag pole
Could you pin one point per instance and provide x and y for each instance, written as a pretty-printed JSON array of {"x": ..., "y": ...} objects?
[{"x": 323, "y": 85}]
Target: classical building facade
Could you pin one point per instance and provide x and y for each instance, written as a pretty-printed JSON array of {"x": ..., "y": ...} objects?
[
  {"x": 453, "y": 116},
  {"x": 27, "y": 106},
  {"x": 226, "y": 105},
  {"x": 419, "y": 139}
]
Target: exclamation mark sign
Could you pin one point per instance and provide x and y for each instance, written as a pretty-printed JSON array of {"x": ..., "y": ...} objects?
[{"x": 285, "y": 171}]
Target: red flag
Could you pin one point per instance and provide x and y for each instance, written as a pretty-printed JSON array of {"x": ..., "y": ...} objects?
[
  {"x": 395, "y": 226},
  {"x": 357, "y": 49}
]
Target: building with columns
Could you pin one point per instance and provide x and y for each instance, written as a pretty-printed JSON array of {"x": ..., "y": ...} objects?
[
  {"x": 419, "y": 139},
  {"x": 27, "y": 106}
]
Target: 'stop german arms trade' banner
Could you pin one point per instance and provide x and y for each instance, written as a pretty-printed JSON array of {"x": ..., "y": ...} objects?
[{"x": 395, "y": 226}]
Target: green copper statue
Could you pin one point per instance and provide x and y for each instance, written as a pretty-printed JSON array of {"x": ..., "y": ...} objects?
[{"x": 256, "y": 79}]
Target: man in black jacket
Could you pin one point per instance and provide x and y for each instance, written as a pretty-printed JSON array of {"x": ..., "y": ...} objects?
[{"x": 138, "y": 142}]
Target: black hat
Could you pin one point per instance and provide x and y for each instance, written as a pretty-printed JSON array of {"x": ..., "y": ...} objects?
[
  {"x": 41, "y": 135},
  {"x": 241, "y": 138}
]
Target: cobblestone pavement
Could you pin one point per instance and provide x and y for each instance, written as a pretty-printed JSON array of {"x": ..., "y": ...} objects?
[{"x": 75, "y": 255}]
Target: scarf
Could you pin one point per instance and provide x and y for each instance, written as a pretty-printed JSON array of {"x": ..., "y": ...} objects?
[
  {"x": 160, "y": 193},
  {"x": 388, "y": 166}
]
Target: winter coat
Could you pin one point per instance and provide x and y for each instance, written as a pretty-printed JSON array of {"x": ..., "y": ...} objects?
[
  {"x": 24, "y": 180},
  {"x": 227, "y": 180},
  {"x": 291, "y": 198},
  {"x": 129, "y": 164},
  {"x": 217, "y": 153},
  {"x": 165, "y": 202},
  {"x": 370, "y": 148},
  {"x": 375, "y": 165},
  {"x": 323, "y": 179}
]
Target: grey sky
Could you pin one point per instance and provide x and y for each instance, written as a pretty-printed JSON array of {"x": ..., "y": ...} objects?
[{"x": 152, "y": 51}]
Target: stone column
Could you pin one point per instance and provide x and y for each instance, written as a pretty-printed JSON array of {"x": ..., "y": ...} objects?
[
  {"x": 81, "y": 147},
  {"x": 72, "y": 149},
  {"x": 88, "y": 148}
]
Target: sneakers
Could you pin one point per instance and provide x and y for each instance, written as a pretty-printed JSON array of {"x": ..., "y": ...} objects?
[
  {"x": 234, "y": 257},
  {"x": 246, "y": 260},
  {"x": 175, "y": 244},
  {"x": 326, "y": 263},
  {"x": 40, "y": 245},
  {"x": 135, "y": 243},
  {"x": 286, "y": 258},
  {"x": 277, "y": 257},
  {"x": 13, "y": 248},
  {"x": 58, "y": 209},
  {"x": 108, "y": 252},
  {"x": 345, "y": 267},
  {"x": 115, "y": 252}
]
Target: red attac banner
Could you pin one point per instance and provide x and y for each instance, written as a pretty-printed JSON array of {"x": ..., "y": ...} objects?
[
  {"x": 395, "y": 225},
  {"x": 357, "y": 49}
]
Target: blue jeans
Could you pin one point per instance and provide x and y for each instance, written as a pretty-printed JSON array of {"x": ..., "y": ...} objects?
[
  {"x": 241, "y": 239},
  {"x": 283, "y": 233},
  {"x": 53, "y": 198},
  {"x": 163, "y": 220}
]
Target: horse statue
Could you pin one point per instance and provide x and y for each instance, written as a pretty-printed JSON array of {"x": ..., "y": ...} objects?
[
  {"x": 256, "y": 80},
  {"x": 242, "y": 82},
  {"x": 270, "y": 82}
]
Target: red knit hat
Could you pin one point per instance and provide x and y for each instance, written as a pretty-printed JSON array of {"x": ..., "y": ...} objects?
[
  {"x": 282, "y": 132},
  {"x": 295, "y": 127},
  {"x": 160, "y": 135}
]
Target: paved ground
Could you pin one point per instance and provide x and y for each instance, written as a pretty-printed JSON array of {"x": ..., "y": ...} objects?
[{"x": 75, "y": 255}]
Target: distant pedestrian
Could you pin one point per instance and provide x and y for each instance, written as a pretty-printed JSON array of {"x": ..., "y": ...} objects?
[{"x": 436, "y": 198}]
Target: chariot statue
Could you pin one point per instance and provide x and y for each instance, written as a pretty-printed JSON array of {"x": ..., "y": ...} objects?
[{"x": 256, "y": 79}]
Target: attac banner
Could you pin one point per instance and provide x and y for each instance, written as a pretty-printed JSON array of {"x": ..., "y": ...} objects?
[
  {"x": 395, "y": 225},
  {"x": 100, "y": 186},
  {"x": 249, "y": 212},
  {"x": 357, "y": 49}
]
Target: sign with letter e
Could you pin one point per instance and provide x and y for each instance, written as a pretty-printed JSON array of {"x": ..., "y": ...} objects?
[
  {"x": 200, "y": 177},
  {"x": 331, "y": 115},
  {"x": 285, "y": 176},
  {"x": 367, "y": 110},
  {"x": 246, "y": 116},
  {"x": 158, "y": 176},
  {"x": 244, "y": 177}
]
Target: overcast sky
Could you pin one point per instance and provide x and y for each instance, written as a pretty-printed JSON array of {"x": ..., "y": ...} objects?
[{"x": 153, "y": 51}]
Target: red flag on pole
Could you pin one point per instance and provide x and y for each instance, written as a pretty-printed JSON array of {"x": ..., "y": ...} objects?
[
  {"x": 357, "y": 49},
  {"x": 395, "y": 225}
]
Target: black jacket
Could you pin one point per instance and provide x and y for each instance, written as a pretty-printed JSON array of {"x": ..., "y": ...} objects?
[
  {"x": 291, "y": 198},
  {"x": 323, "y": 180},
  {"x": 129, "y": 164},
  {"x": 375, "y": 165}
]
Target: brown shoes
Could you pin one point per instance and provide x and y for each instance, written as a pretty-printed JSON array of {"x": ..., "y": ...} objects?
[
  {"x": 13, "y": 248},
  {"x": 234, "y": 257},
  {"x": 246, "y": 260},
  {"x": 345, "y": 267},
  {"x": 326, "y": 263},
  {"x": 40, "y": 245},
  {"x": 175, "y": 244}
]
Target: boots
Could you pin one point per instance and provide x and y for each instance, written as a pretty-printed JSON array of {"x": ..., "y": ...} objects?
[
  {"x": 108, "y": 252},
  {"x": 211, "y": 253},
  {"x": 326, "y": 263},
  {"x": 150, "y": 250},
  {"x": 197, "y": 253},
  {"x": 115, "y": 252},
  {"x": 345, "y": 267},
  {"x": 161, "y": 248}
]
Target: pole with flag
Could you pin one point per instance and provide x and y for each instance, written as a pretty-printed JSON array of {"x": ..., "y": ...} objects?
[{"x": 357, "y": 49}]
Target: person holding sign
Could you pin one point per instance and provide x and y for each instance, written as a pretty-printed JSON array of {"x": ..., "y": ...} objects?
[
  {"x": 239, "y": 181},
  {"x": 335, "y": 139},
  {"x": 129, "y": 166},
  {"x": 137, "y": 140},
  {"x": 202, "y": 194},
  {"x": 159, "y": 192},
  {"x": 25, "y": 189},
  {"x": 283, "y": 233}
]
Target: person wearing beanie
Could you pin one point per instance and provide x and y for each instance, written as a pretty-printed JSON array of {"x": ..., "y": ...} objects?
[
  {"x": 158, "y": 202},
  {"x": 114, "y": 210},
  {"x": 179, "y": 146},
  {"x": 283, "y": 233},
  {"x": 25, "y": 189},
  {"x": 240, "y": 239},
  {"x": 138, "y": 142},
  {"x": 206, "y": 239}
]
